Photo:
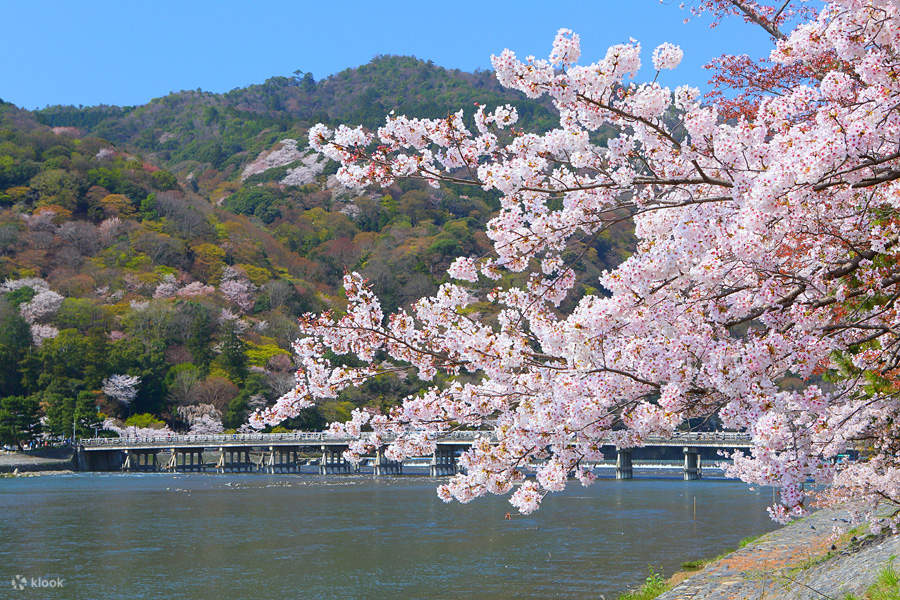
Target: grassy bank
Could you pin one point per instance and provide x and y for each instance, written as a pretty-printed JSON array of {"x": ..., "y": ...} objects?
[
  {"x": 655, "y": 583},
  {"x": 886, "y": 586}
]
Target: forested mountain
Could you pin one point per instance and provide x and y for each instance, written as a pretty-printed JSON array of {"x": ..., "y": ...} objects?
[
  {"x": 224, "y": 130},
  {"x": 154, "y": 258}
]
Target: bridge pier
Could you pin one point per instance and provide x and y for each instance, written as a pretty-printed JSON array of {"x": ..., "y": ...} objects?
[
  {"x": 140, "y": 460},
  {"x": 333, "y": 461},
  {"x": 443, "y": 461},
  {"x": 82, "y": 460},
  {"x": 385, "y": 466},
  {"x": 279, "y": 452},
  {"x": 186, "y": 460},
  {"x": 234, "y": 460},
  {"x": 183, "y": 460},
  {"x": 266, "y": 461},
  {"x": 172, "y": 463},
  {"x": 280, "y": 459},
  {"x": 283, "y": 459},
  {"x": 624, "y": 469},
  {"x": 692, "y": 467}
]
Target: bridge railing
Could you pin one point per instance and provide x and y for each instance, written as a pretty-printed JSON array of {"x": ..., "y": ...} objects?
[
  {"x": 723, "y": 438},
  {"x": 298, "y": 436},
  {"x": 712, "y": 436}
]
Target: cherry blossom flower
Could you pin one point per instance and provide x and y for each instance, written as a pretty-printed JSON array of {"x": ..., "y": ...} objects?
[
  {"x": 767, "y": 248},
  {"x": 667, "y": 56},
  {"x": 122, "y": 388}
]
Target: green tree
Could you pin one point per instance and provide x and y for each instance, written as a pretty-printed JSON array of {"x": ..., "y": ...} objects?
[
  {"x": 20, "y": 296},
  {"x": 15, "y": 339},
  {"x": 164, "y": 180},
  {"x": 256, "y": 201},
  {"x": 81, "y": 314},
  {"x": 199, "y": 336},
  {"x": 148, "y": 207},
  {"x": 19, "y": 420},
  {"x": 309, "y": 419},
  {"x": 144, "y": 421},
  {"x": 13, "y": 172},
  {"x": 144, "y": 357},
  {"x": 65, "y": 413},
  {"x": 238, "y": 408},
  {"x": 234, "y": 357},
  {"x": 236, "y": 411},
  {"x": 57, "y": 186},
  {"x": 68, "y": 363}
]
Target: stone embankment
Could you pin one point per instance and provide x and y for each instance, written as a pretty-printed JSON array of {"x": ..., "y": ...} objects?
[{"x": 798, "y": 562}]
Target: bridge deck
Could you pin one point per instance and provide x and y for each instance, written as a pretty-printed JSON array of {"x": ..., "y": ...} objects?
[{"x": 717, "y": 439}]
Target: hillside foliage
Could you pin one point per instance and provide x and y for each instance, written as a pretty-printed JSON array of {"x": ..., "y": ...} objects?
[{"x": 140, "y": 244}]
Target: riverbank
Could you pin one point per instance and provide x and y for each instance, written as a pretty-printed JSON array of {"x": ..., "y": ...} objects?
[
  {"x": 45, "y": 461},
  {"x": 797, "y": 562}
]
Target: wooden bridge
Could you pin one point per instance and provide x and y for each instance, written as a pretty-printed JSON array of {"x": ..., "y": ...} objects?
[{"x": 288, "y": 452}]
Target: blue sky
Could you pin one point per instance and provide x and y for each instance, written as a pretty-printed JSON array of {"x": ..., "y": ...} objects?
[{"x": 127, "y": 52}]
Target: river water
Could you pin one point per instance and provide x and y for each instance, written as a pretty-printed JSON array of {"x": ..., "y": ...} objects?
[{"x": 269, "y": 536}]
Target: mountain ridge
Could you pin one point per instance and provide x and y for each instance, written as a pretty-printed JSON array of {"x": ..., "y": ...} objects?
[
  {"x": 176, "y": 242},
  {"x": 200, "y": 126}
]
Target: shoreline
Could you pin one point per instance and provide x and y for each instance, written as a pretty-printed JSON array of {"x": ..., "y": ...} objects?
[
  {"x": 801, "y": 560},
  {"x": 39, "y": 473},
  {"x": 44, "y": 460}
]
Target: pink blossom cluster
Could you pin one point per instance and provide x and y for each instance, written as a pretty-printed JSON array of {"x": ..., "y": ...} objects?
[
  {"x": 131, "y": 431},
  {"x": 667, "y": 56},
  {"x": 767, "y": 251},
  {"x": 566, "y": 48},
  {"x": 110, "y": 228},
  {"x": 285, "y": 154},
  {"x": 41, "y": 332},
  {"x": 237, "y": 289},
  {"x": 122, "y": 388},
  {"x": 167, "y": 287},
  {"x": 170, "y": 286},
  {"x": 43, "y": 305},
  {"x": 203, "y": 419},
  {"x": 305, "y": 172}
]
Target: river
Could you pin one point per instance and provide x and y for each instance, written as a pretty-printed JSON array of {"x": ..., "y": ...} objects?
[{"x": 287, "y": 536}]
